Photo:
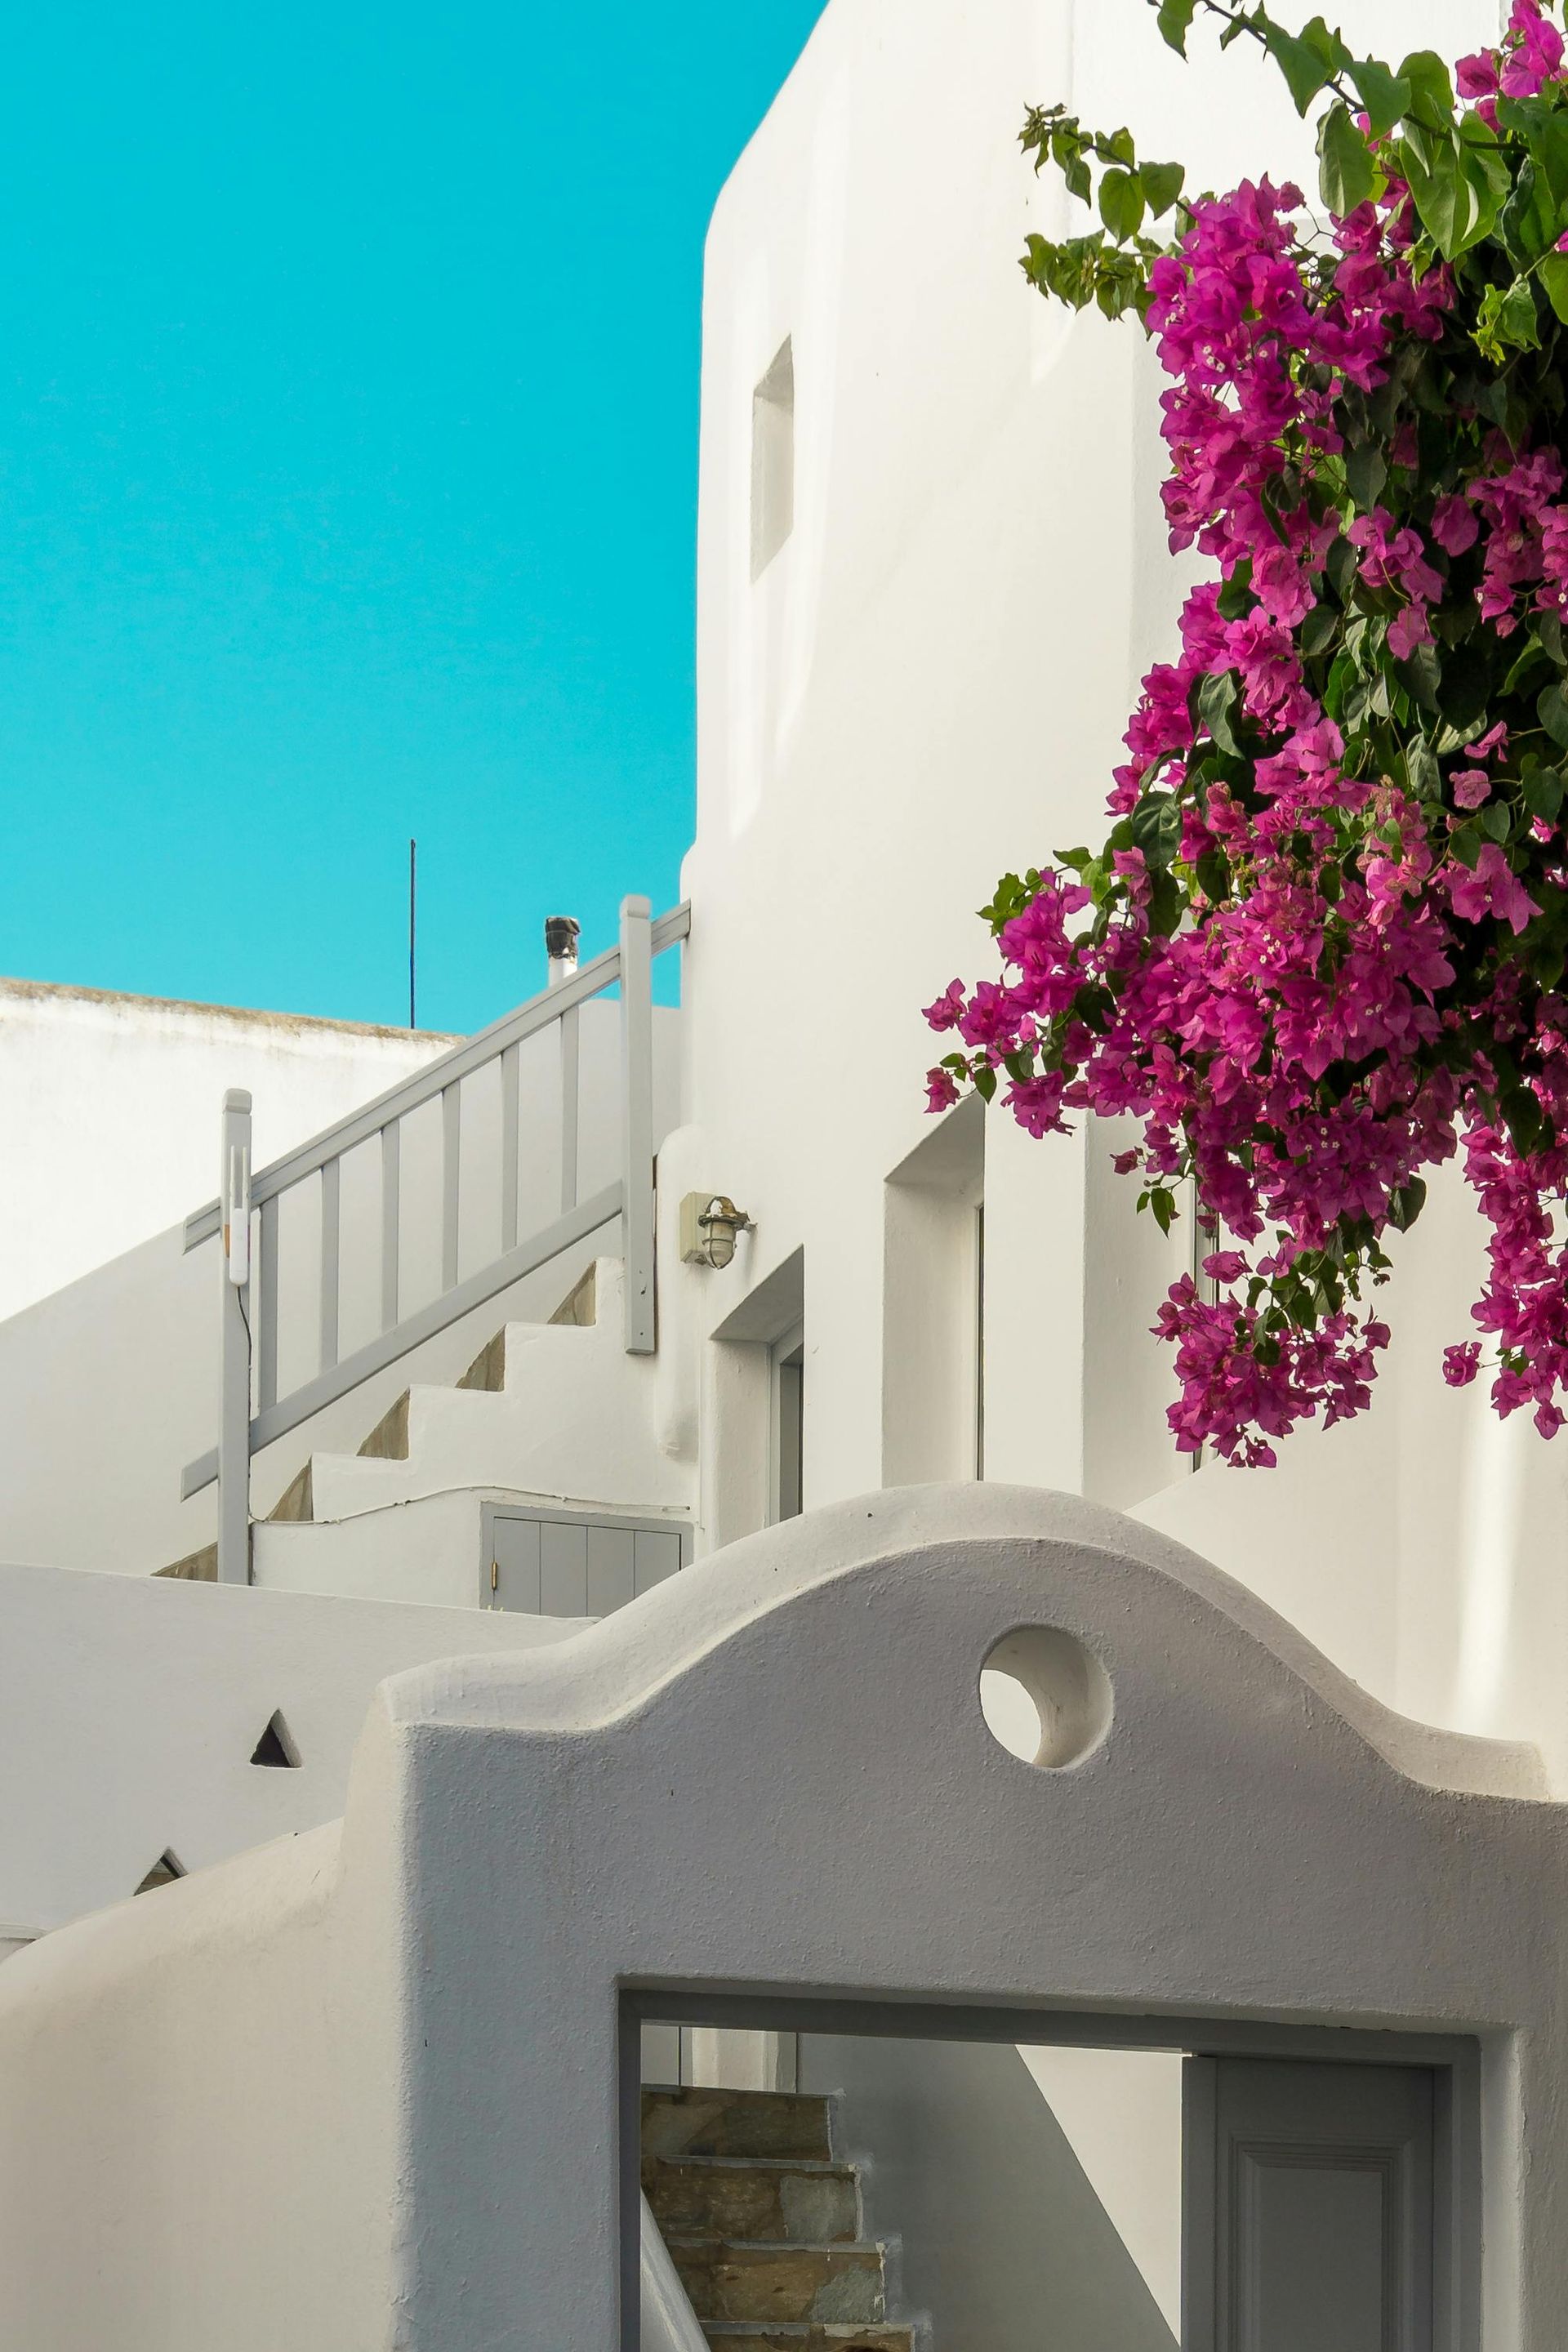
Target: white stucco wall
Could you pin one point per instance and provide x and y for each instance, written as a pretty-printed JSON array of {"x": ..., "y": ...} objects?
[
  {"x": 130, "y": 1708},
  {"x": 928, "y": 685},
  {"x": 109, "y": 1113},
  {"x": 416, "y": 2017}
]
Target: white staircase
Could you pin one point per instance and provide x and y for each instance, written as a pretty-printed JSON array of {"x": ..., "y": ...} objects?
[{"x": 552, "y": 1423}]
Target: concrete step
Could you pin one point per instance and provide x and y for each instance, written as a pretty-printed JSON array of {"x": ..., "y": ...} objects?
[
  {"x": 749, "y": 2124},
  {"x": 781, "y": 2201},
  {"x": 728, "y": 2279},
  {"x": 551, "y": 1409},
  {"x": 807, "y": 2335}
]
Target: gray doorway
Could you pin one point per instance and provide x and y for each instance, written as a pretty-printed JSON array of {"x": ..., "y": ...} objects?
[
  {"x": 1310, "y": 2110},
  {"x": 1308, "y": 2211}
]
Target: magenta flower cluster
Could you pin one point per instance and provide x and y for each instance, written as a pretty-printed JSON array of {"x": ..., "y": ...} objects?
[{"x": 1303, "y": 960}]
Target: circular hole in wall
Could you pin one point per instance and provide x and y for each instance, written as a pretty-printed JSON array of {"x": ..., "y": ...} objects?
[{"x": 1044, "y": 1697}]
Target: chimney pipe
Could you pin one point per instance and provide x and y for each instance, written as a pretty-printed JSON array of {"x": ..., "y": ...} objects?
[{"x": 560, "y": 933}]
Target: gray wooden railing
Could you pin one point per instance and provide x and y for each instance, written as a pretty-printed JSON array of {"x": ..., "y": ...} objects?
[{"x": 245, "y": 1220}]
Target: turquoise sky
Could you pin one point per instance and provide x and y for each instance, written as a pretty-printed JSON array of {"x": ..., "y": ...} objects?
[{"x": 348, "y": 438}]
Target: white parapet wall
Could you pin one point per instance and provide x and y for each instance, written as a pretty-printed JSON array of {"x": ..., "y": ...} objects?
[
  {"x": 364, "y": 2087},
  {"x": 131, "y": 1707},
  {"x": 111, "y": 1111}
]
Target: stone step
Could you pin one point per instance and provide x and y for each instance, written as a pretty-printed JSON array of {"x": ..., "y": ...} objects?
[
  {"x": 694, "y": 2122},
  {"x": 727, "y": 2280},
  {"x": 782, "y": 2199},
  {"x": 807, "y": 2335}
]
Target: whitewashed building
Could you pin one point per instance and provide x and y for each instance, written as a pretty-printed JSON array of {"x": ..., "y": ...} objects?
[{"x": 1192, "y": 1977}]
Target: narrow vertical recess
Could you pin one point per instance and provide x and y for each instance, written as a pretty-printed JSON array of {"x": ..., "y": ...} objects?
[{"x": 773, "y": 458}]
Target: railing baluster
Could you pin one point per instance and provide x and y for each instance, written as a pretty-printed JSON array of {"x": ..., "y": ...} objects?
[
  {"x": 571, "y": 1065},
  {"x": 331, "y": 1191},
  {"x": 390, "y": 1203},
  {"x": 451, "y": 1171},
  {"x": 510, "y": 1082},
  {"x": 234, "y": 1374},
  {"x": 267, "y": 1310},
  {"x": 637, "y": 1121}
]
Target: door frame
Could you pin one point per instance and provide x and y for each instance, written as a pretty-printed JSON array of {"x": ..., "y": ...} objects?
[{"x": 1454, "y": 2060}]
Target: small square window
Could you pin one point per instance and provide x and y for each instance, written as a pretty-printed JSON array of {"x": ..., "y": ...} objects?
[{"x": 772, "y": 460}]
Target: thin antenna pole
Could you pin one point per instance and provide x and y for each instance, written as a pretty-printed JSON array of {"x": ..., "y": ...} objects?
[{"x": 412, "y": 900}]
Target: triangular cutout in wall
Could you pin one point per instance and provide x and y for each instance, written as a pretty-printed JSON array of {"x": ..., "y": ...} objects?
[
  {"x": 275, "y": 1747},
  {"x": 164, "y": 1872}
]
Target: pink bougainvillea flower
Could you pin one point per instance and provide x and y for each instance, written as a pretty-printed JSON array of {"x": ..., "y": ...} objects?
[
  {"x": 1308, "y": 997},
  {"x": 1534, "y": 54},
  {"x": 1409, "y": 628},
  {"x": 1492, "y": 888},
  {"x": 1454, "y": 524},
  {"x": 1476, "y": 76},
  {"x": 948, "y": 1010}
]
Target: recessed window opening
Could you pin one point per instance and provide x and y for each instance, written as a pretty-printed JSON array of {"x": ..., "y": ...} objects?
[
  {"x": 787, "y": 1419},
  {"x": 933, "y": 1305},
  {"x": 275, "y": 1747},
  {"x": 772, "y": 460}
]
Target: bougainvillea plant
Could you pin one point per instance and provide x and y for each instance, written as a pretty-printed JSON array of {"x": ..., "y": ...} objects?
[{"x": 1322, "y": 946}]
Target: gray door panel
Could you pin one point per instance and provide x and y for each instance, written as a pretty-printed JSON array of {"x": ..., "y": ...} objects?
[
  {"x": 562, "y": 1563},
  {"x": 1308, "y": 2207},
  {"x": 514, "y": 1572}
]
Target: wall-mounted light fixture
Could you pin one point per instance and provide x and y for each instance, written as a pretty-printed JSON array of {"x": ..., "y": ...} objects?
[{"x": 709, "y": 1222}]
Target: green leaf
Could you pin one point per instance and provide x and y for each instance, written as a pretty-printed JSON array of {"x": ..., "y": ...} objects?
[
  {"x": 1531, "y": 656},
  {"x": 1385, "y": 95},
  {"x": 1527, "y": 222},
  {"x": 1174, "y": 20},
  {"x": 1157, "y": 829},
  {"x": 1216, "y": 699},
  {"x": 1346, "y": 173},
  {"x": 1424, "y": 672},
  {"x": 1302, "y": 63},
  {"x": 1421, "y": 769},
  {"x": 1523, "y": 1117},
  {"x": 1162, "y": 185},
  {"x": 1317, "y": 629},
  {"x": 1235, "y": 598},
  {"x": 1163, "y": 1205},
  {"x": 1552, "y": 710},
  {"x": 1340, "y": 565},
  {"x": 1366, "y": 471},
  {"x": 1122, "y": 203},
  {"x": 1495, "y": 821},
  {"x": 1553, "y": 273},
  {"x": 1431, "y": 88},
  {"x": 1466, "y": 689},
  {"x": 1543, "y": 790},
  {"x": 1545, "y": 130},
  {"x": 1405, "y": 1205},
  {"x": 1506, "y": 322},
  {"x": 1457, "y": 188}
]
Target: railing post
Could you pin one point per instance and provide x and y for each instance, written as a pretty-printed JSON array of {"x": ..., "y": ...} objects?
[
  {"x": 637, "y": 1121},
  {"x": 234, "y": 1372}
]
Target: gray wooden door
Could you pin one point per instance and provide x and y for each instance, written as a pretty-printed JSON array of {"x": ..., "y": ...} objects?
[
  {"x": 568, "y": 1564},
  {"x": 1307, "y": 2207}
]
